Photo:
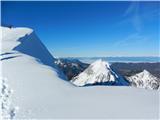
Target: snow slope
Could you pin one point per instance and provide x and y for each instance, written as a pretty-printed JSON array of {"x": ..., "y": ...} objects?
[
  {"x": 145, "y": 80},
  {"x": 99, "y": 72},
  {"x": 24, "y": 40},
  {"x": 38, "y": 91}
]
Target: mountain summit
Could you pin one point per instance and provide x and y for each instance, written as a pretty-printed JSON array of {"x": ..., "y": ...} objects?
[
  {"x": 145, "y": 80},
  {"x": 98, "y": 72}
]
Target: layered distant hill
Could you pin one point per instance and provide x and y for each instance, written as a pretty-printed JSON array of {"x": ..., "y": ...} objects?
[
  {"x": 129, "y": 69},
  {"x": 72, "y": 67}
]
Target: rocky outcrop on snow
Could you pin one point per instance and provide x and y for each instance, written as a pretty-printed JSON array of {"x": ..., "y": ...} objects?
[{"x": 71, "y": 67}]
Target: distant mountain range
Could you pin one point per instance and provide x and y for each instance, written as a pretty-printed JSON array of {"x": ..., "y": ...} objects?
[
  {"x": 98, "y": 73},
  {"x": 134, "y": 59},
  {"x": 102, "y": 73}
]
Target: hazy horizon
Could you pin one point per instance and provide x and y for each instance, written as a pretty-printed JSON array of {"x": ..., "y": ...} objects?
[{"x": 100, "y": 56}]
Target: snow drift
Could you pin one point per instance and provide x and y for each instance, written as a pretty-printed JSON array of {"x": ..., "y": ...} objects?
[{"x": 39, "y": 92}]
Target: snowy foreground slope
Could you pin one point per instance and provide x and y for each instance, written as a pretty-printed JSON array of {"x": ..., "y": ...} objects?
[{"x": 33, "y": 87}]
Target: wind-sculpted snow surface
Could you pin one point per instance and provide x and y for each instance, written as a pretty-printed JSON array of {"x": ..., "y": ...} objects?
[
  {"x": 23, "y": 41},
  {"x": 40, "y": 93}
]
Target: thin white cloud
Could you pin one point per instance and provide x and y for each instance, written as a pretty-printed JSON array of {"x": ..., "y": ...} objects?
[
  {"x": 136, "y": 19},
  {"x": 132, "y": 14},
  {"x": 132, "y": 40},
  {"x": 137, "y": 15}
]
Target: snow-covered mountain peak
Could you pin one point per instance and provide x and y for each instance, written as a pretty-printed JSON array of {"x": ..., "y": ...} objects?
[
  {"x": 100, "y": 64},
  {"x": 97, "y": 72},
  {"x": 145, "y": 72},
  {"x": 144, "y": 79}
]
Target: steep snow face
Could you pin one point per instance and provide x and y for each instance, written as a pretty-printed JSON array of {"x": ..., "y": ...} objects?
[
  {"x": 10, "y": 37},
  {"x": 97, "y": 72},
  {"x": 144, "y": 80},
  {"x": 28, "y": 69},
  {"x": 23, "y": 41}
]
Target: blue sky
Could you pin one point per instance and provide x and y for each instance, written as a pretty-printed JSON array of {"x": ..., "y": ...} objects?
[{"x": 88, "y": 29}]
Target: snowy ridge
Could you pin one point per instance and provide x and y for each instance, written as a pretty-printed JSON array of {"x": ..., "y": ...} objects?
[
  {"x": 23, "y": 41},
  {"x": 97, "y": 72},
  {"x": 145, "y": 80},
  {"x": 10, "y": 37},
  {"x": 26, "y": 62}
]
